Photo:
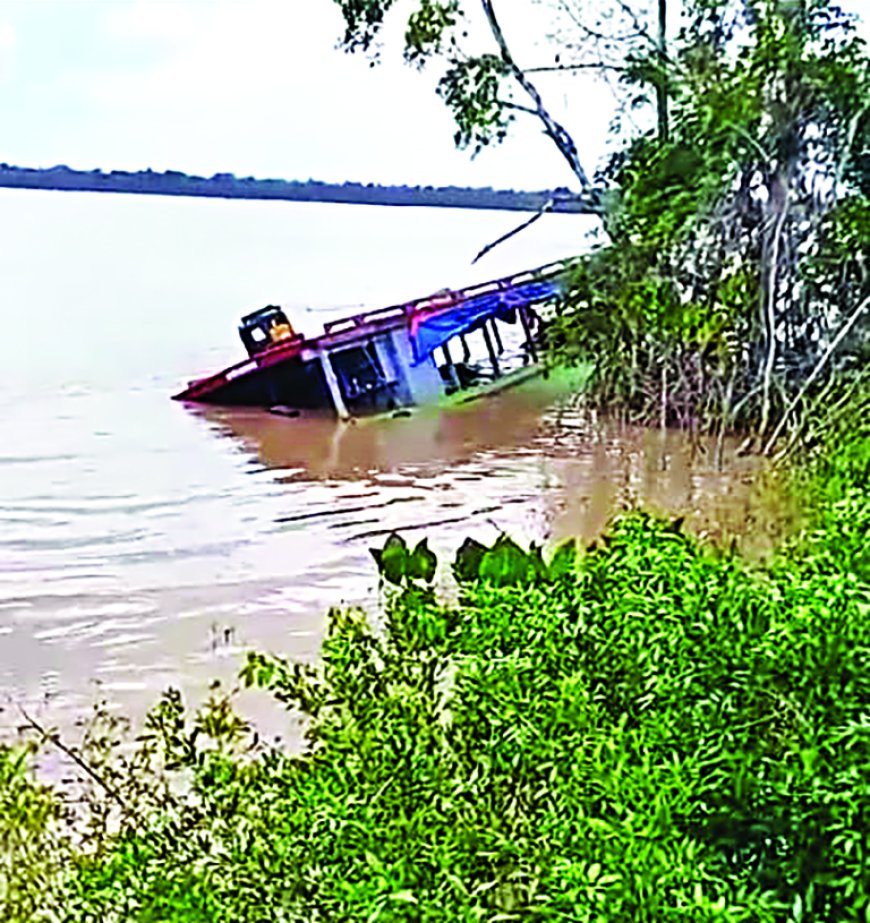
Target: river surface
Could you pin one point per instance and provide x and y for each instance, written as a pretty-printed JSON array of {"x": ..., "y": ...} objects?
[{"x": 146, "y": 544}]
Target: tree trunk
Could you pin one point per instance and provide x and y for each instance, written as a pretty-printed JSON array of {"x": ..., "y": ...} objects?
[
  {"x": 661, "y": 86},
  {"x": 556, "y": 132},
  {"x": 777, "y": 208}
]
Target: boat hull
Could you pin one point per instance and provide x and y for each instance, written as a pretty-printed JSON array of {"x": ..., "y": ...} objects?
[{"x": 290, "y": 382}]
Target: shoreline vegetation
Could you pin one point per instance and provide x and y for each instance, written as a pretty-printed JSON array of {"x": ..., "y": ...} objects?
[
  {"x": 647, "y": 729},
  {"x": 228, "y": 186}
]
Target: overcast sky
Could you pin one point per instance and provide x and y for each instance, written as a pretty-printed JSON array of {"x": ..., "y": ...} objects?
[{"x": 257, "y": 87}]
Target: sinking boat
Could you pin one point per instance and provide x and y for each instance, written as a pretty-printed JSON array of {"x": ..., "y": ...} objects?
[{"x": 394, "y": 357}]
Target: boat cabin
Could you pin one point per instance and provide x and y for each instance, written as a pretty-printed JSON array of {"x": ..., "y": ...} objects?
[{"x": 260, "y": 329}]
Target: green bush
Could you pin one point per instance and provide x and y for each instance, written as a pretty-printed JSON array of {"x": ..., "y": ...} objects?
[{"x": 33, "y": 849}]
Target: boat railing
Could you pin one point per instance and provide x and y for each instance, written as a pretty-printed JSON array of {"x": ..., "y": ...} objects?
[
  {"x": 367, "y": 317},
  {"x": 447, "y": 297}
]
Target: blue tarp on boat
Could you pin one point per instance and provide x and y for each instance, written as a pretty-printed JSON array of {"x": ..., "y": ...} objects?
[{"x": 436, "y": 330}]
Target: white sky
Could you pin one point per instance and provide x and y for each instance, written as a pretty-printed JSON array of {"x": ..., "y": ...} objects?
[{"x": 257, "y": 87}]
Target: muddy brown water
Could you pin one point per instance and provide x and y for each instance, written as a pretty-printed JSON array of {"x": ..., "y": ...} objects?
[
  {"x": 146, "y": 544},
  {"x": 178, "y": 589}
]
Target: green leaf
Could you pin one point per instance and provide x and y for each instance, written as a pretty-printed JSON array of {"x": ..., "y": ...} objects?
[
  {"x": 506, "y": 564},
  {"x": 466, "y": 566},
  {"x": 564, "y": 560},
  {"x": 537, "y": 569},
  {"x": 422, "y": 562},
  {"x": 392, "y": 559}
]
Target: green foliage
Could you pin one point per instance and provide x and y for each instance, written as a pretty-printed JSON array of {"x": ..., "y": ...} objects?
[
  {"x": 178, "y": 791},
  {"x": 363, "y": 20},
  {"x": 738, "y": 245},
  {"x": 839, "y": 268},
  {"x": 471, "y": 89},
  {"x": 506, "y": 564},
  {"x": 427, "y": 27},
  {"x": 397, "y": 564},
  {"x": 33, "y": 847},
  {"x": 475, "y": 87},
  {"x": 478, "y": 87}
]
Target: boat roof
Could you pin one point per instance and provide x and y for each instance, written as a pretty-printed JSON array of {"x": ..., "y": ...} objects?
[{"x": 469, "y": 303}]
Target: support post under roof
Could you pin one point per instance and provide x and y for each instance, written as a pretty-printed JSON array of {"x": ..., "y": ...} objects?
[
  {"x": 333, "y": 385},
  {"x": 496, "y": 368}
]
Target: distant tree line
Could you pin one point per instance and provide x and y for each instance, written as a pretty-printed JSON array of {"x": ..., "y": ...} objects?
[{"x": 226, "y": 185}]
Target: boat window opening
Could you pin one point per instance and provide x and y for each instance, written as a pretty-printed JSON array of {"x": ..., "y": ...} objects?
[
  {"x": 457, "y": 376},
  {"x": 448, "y": 372},
  {"x": 359, "y": 371},
  {"x": 529, "y": 318},
  {"x": 495, "y": 367},
  {"x": 498, "y": 343}
]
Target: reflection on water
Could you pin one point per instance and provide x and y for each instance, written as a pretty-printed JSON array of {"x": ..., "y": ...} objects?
[
  {"x": 571, "y": 470},
  {"x": 424, "y": 441}
]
